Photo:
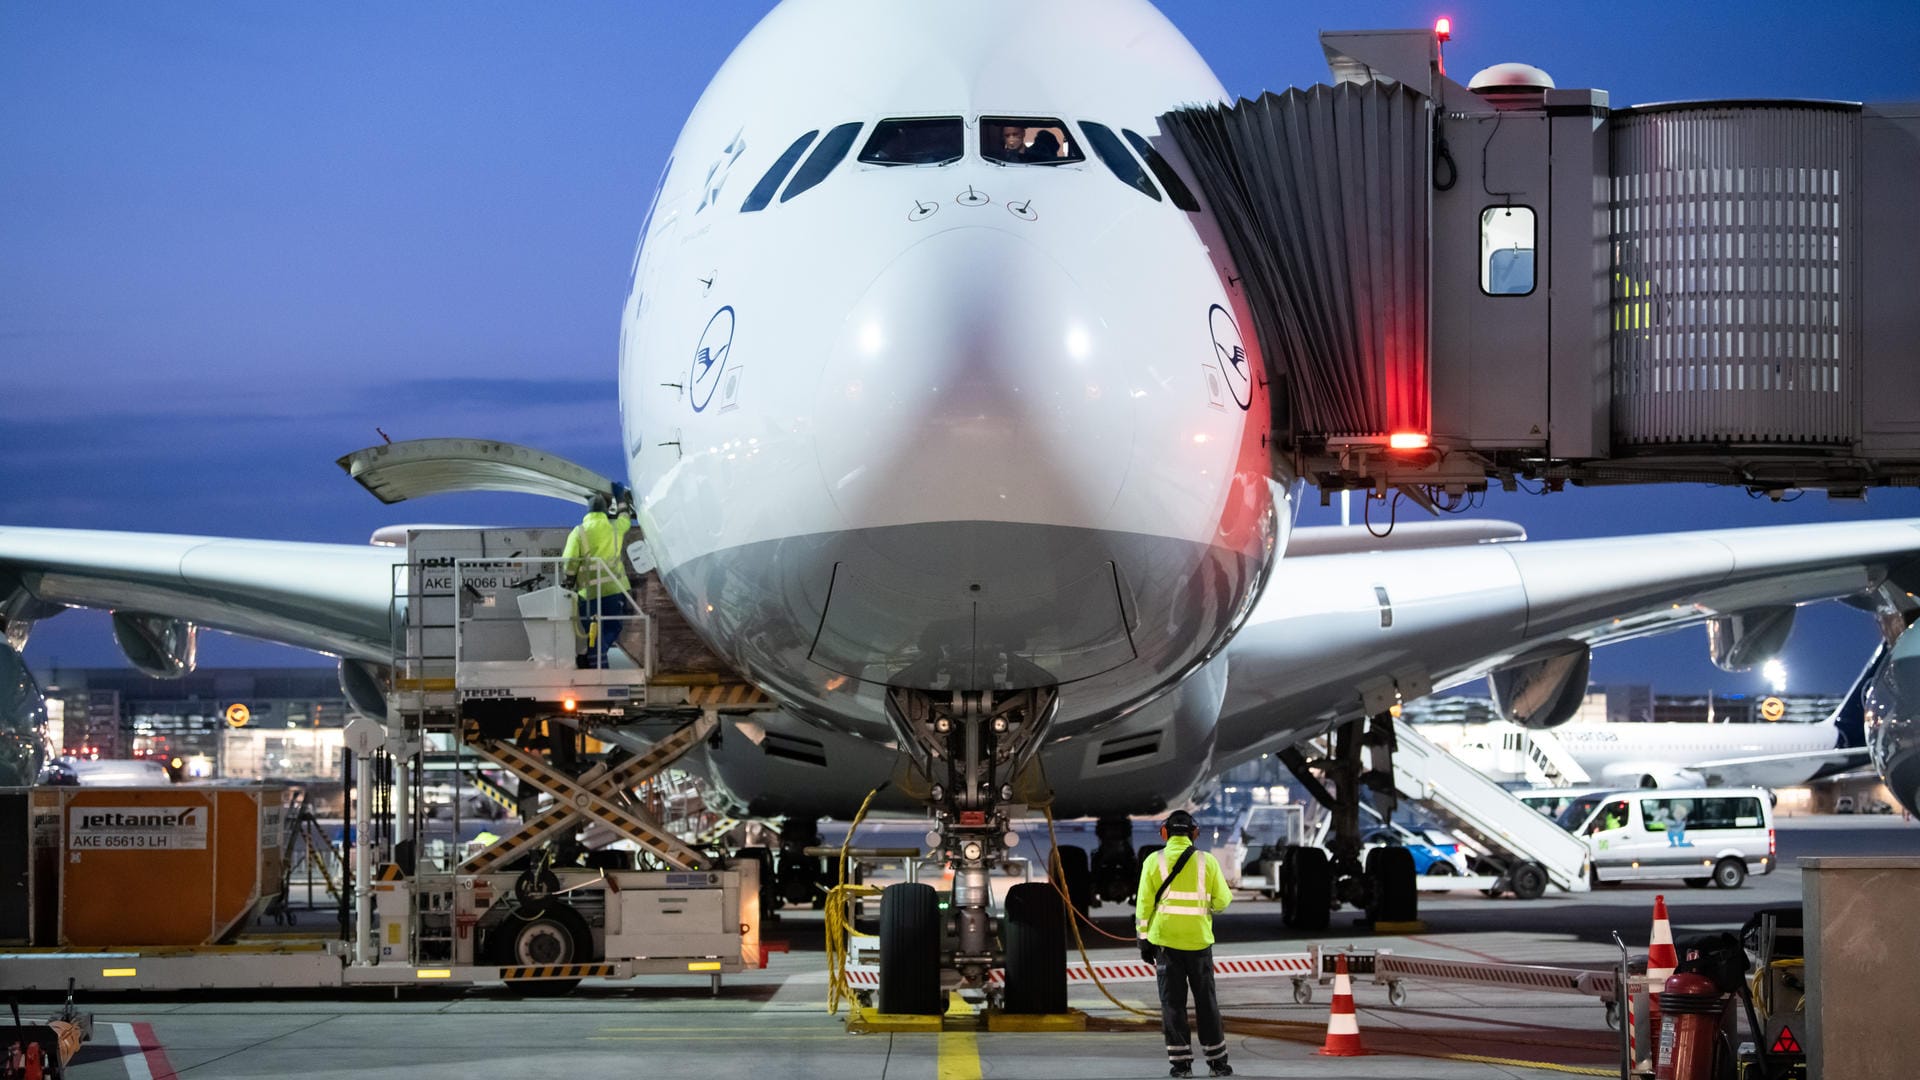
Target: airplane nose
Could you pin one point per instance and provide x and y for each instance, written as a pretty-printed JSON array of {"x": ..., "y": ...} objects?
[{"x": 974, "y": 381}]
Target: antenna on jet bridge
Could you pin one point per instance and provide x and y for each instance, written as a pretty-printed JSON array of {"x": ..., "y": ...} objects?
[{"x": 385, "y": 436}]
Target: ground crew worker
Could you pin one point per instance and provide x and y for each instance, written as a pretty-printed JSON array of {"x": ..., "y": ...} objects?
[
  {"x": 596, "y": 569},
  {"x": 1180, "y": 889}
]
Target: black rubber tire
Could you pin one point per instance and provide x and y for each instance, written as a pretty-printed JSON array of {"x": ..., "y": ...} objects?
[
  {"x": 1729, "y": 873},
  {"x": 910, "y": 950},
  {"x": 1289, "y": 893},
  {"x": 1078, "y": 876},
  {"x": 1036, "y": 944},
  {"x": 1697, "y": 882},
  {"x": 1442, "y": 868},
  {"x": 1528, "y": 881},
  {"x": 1396, "y": 896},
  {"x": 1312, "y": 876},
  {"x": 557, "y": 935}
]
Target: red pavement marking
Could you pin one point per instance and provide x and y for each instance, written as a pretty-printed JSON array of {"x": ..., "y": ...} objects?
[
  {"x": 1489, "y": 957},
  {"x": 156, "y": 1055}
]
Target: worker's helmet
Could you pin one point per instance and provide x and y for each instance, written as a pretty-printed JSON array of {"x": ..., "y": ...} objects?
[
  {"x": 600, "y": 502},
  {"x": 1180, "y": 823}
]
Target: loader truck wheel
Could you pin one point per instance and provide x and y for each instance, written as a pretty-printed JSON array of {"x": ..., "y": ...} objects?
[{"x": 555, "y": 935}]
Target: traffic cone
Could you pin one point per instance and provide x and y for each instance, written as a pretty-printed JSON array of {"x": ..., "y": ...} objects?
[
  {"x": 1661, "y": 960},
  {"x": 1661, "y": 957},
  {"x": 1343, "y": 1026}
]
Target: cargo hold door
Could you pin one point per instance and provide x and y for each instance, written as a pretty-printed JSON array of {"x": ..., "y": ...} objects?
[{"x": 400, "y": 471}]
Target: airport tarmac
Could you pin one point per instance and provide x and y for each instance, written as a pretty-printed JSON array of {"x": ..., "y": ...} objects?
[{"x": 774, "y": 1023}]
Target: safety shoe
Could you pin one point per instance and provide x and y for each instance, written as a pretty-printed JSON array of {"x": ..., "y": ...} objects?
[
  {"x": 1180, "y": 1070},
  {"x": 1219, "y": 1069}
]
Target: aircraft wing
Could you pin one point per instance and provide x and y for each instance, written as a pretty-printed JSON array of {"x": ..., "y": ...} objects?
[
  {"x": 1337, "y": 636},
  {"x": 1757, "y": 770},
  {"x": 332, "y": 598}
]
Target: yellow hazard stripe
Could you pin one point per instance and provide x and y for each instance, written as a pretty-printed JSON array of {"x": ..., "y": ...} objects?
[
  {"x": 726, "y": 694},
  {"x": 557, "y": 971},
  {"x": 391, "y": 872}
]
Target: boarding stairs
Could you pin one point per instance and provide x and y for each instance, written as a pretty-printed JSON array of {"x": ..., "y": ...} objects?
[
  {"x": 1548, "y": 764},
  {"x": 1484, "y": 813}
]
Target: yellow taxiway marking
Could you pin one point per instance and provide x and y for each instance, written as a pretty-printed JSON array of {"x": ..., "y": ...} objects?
[
  {"x": 959, "y": 1050},
  {"x": 677, "y": 1036}
]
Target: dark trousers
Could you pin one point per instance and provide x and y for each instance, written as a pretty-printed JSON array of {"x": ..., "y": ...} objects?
[
  {"x": 1176, "y": 971},
  {"x": 613, "y": 610}
]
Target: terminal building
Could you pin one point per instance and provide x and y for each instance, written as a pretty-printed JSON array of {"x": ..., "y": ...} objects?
[{"x": 222, "y": 723}]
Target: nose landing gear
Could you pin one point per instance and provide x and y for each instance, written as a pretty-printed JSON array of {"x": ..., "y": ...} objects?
[{"x": 970, "y": 745}]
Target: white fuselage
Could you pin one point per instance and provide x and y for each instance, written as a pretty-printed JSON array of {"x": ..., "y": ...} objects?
[
  {"x": 957, "y": 425},
  {"x": 1625, "y": 754}
]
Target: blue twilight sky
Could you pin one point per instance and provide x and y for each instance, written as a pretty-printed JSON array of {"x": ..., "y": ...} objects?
[{"x": 235, "y": 238}]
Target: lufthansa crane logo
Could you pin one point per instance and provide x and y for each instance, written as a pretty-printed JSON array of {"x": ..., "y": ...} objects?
[
  {"x": 710, "y": 358},
  {"x": 1230, "y": 352}
]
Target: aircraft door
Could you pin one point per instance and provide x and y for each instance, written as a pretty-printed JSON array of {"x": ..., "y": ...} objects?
[{"x": 1608, "y": 833}]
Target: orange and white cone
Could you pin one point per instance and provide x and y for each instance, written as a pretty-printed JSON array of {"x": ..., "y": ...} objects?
[
  {"x": 1343, "y": 1026},
  {"x": 1662, "y": 958}
]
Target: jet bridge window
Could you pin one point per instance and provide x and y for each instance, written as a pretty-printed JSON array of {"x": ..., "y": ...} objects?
[
  {"x": 1177, "y": 189},
  {"x": 831, "y": 151},
  {"x": 1028, "y": 140},
  {"x": 935, "y": 140},
  {"x": 1507, "y": 236},
  {"x": 1113, "y": 154},
  {"x": 762, "y": 192}
]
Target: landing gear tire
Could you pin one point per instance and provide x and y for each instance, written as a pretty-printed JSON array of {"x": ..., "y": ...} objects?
[
  {"x": 910, "y": 950},
  {"x": 1396, "y": 897},
  {"x": 1308, "y": 905},
  {"x": 556, "y": 935},
  {"x": 1036, "y": 942},
  {"x": 1528, "y": 881},
  {"x": 1729, "y": 873},
  {"x": 1697, "y": 882},
  {"x": 1077, "y": 877}
]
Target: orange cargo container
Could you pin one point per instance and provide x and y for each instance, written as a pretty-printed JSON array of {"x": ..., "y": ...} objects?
[{"x": 165, "y": 865}]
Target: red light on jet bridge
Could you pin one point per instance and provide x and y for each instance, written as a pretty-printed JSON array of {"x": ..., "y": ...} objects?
[
  {"x": 1443, "y": 28},
  {"x": 1408, "y": 440}
]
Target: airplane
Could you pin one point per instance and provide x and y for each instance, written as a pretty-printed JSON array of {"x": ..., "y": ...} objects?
[
  {"x": 944, "y": 431},
  {"x": 1650, "y": 755}
]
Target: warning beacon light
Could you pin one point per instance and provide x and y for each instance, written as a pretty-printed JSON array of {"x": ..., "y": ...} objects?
[
  {"x": 1443, "y": 29},
  {"x": 1408, "y": 440}
]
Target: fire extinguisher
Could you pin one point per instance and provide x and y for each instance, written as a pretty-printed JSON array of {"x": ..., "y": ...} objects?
[{"x": 1689, "y": 1026}]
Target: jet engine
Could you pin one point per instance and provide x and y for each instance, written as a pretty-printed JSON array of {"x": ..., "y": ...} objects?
[
  {"x": 1892, "y": 708},
  {"x": 1542, "y": 688},
  {"x": 158, "y": 645},
  {"x": 1744, "y": 641},
  {"x": 23, "y": 721},
  {"x": 365, "y": 686}
]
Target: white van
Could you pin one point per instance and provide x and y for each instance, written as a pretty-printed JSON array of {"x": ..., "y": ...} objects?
[
  {"x": 1702, "y": 836},
  {"x": 1553, "y": 801}
]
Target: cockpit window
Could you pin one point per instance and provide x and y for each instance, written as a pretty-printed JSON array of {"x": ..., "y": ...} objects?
[
  {"x": 936, "y": 140},
  {"x": 1113, "y": 154},
  {"x": 1177, "y": 189},
  {"x": 831, "y": 151},
  {"x": 1027, "y": 140},
  {"x": 762, "y": 192}
]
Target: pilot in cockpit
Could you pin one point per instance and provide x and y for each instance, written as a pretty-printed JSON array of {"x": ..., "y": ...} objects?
[{"x": 1045, "y": 148}]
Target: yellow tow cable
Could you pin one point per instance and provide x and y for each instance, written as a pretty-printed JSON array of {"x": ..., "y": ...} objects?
[{"x": 839, "y": 916}]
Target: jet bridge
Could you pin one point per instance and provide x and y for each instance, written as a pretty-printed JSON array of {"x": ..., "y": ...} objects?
[{"x": 1459, "y": 285}]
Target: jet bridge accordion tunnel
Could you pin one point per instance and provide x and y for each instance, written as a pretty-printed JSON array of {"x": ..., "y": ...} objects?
[{"x": 1456, "y": 285}]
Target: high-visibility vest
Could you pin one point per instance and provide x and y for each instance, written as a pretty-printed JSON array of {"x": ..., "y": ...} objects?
[
  {"x": 1183, "y": 919},
  {"x": 593, "y": 554}
]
